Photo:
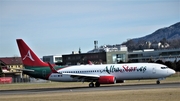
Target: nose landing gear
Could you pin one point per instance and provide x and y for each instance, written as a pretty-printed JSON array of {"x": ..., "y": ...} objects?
[{"x": 158, "y": 82}]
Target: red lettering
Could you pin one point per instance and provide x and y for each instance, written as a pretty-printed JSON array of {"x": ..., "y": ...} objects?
[
  {"x": 125, "y": 68},
  {"x": 135, "y": 68},
  {"x": 129, "y": 69}
]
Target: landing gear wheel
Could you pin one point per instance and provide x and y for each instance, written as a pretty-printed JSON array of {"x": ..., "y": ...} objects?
[
  {"x": 91, "y": 84},
  {"x": 97, "y": 84},
  {"x": 157, "y": 82}
]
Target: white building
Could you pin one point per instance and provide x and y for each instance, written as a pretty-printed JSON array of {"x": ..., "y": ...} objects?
[
  {"x": 109, "y": 48},
  {"x": 147, "y": 54},
  {"x": 52, "y": 58}
]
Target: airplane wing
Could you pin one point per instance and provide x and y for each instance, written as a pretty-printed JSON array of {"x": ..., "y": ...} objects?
[
  {"x": 83, "y": 77},
  {"x": 79, "y": 77}
]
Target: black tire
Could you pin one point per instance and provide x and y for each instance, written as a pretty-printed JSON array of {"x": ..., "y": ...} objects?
[
  {"x": 91, "y": 84},
  {"x": 97, "y": 84},
  {"x": 157, "y": 82}
]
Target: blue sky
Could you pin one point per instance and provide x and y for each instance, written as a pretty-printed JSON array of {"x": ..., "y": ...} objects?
[{"x": 61, "y": 26}]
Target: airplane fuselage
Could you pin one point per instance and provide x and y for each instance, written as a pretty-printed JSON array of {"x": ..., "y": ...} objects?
[{"x": 130, "y": 71}]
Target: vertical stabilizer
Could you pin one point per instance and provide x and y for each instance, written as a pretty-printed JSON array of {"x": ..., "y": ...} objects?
[{"x": 29, "y": 58}]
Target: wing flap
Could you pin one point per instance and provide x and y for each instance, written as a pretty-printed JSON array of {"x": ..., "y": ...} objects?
[{"x": 84, "y": 77}]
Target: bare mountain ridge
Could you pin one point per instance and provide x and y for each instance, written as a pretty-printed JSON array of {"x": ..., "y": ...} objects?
[
  {"x": 168, "y": 36},
  {"x": 169, "y": 33}
]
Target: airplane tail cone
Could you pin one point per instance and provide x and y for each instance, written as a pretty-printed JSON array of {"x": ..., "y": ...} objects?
[{"x": 29, "y": 58}]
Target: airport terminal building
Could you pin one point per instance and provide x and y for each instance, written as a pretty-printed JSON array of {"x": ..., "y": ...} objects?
[
  {"x": 52, "y": 59},
  {"x": 95, "y": 58},
  {"x": 107, "y": 54},
  {"x": 147, "y": 54},
  {"x": 113, "y": 56}
]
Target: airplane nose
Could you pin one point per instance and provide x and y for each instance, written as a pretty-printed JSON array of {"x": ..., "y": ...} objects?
[{"x": 171, "y": 71}]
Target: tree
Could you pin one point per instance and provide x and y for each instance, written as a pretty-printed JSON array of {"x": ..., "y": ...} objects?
[
  {"x": 160, "y": 62},
  {"x": 163, "y": 41},
  {"x": 170, "y": 64},
  {"x": 130, "y": 44},
  {"x": 178, "y": 66},
  {"x": 129, "y": 61},
  {"x": 175, "y": 64},
  {"x": 174, "y": 43},
  {"x": 119, "y": 62},
  {"x": 151, "y": 60}
]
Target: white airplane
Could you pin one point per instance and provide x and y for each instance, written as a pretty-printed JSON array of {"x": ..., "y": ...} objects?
[{"x": 100, "y": 74}]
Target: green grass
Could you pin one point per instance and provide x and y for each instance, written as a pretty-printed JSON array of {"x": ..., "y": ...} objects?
[{"x": 166, "y": 94}]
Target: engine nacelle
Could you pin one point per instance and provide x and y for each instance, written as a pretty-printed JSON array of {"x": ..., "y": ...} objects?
[{"x": 107, "y": 80}]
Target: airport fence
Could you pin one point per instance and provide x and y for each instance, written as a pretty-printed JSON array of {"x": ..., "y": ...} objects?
[{"x": 28, "y": 80}]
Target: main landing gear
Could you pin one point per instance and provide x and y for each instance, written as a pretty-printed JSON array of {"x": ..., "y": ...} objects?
[
  {"x": 97, "y": 84},
  {"x": 91, "y": 84},
  {"x": 158, "y": 82}
]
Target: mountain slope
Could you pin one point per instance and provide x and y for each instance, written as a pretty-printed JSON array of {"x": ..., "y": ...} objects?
[{"x": 169, "y": 33}]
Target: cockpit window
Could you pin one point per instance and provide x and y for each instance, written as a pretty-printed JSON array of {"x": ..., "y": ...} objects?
[{"x": 164, "y": 67}]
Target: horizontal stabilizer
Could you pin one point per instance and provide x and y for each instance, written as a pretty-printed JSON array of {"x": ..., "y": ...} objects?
[{"x": 26, "y": 70}]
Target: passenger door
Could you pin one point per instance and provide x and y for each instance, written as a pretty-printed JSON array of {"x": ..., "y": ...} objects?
[{"x": 154, "y": 70}]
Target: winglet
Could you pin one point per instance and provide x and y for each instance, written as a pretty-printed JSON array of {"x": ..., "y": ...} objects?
[{"x": 52, "y": 68}]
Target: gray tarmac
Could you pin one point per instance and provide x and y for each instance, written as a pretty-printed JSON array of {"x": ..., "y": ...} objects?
[{"x": 87, "y": 89}]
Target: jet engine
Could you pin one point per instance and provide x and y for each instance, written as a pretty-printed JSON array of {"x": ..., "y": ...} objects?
[{"x": 107, "y": 80}]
